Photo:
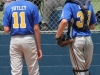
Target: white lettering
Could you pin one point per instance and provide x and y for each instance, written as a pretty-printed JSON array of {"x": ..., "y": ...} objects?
[{"x": 18, "y": 8}]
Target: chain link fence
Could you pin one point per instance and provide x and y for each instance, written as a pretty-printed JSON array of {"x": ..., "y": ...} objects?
[{"x": 50, "y": 11}]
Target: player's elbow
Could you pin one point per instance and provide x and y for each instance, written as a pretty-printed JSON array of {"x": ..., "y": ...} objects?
[
  {"x": 36, "y": 28},
  {"x": 6, "y": 29},
  {"x": 64, "y": 21},
  {"x": 92, "y": 27}
]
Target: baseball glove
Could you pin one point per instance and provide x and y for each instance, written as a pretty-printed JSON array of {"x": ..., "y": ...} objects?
[{"x": 63, "y": 41}]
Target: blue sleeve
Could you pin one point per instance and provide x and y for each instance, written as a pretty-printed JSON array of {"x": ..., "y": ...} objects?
[
  {"x": 5, "y": 20},
  {"x": 5, "y": 5},
  {"x": 66, "y": 12},
  {"x": 40, "y": 18},
  {"x": 36, "y": 16},
  {"x": 93, "y": 19}
]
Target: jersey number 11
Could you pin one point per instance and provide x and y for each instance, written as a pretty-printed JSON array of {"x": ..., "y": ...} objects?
[{"x": 22, "y": 20}]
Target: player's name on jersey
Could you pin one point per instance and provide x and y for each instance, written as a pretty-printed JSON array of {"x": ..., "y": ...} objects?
[{"x": 18, "y": 8}]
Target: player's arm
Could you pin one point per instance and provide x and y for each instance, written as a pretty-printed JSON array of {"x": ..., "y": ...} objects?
[
  {"x": 61, "y": 27},
  {"x": 65, "y": 17},
  {"x": 93, "y": 20},
  {"x": 5, "y": 21},
  {"x": 92, "y": 27},
  {"x": 37, "y": 37},
  {"x": 36, "y": 20},
  {"x": 6, "y": 29}
]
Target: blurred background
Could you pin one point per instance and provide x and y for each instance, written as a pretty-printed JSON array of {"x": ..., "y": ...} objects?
[{"x": 50, "y": 10}]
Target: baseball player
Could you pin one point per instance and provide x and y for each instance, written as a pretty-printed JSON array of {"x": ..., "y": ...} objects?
[
  {"x": 21, "y": 19},
  {"x": 81, "y": 49}
]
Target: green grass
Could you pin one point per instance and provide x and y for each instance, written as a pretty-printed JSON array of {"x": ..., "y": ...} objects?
[
  {"x": 1, "y": 15},
  {"x": 97, "y": 27},
  {"x": 96, "y": 6}
]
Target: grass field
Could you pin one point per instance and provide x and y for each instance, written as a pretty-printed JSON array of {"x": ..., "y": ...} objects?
[
  {"x": 1, "y": 15},
  {"x": 96, "y": 5}
]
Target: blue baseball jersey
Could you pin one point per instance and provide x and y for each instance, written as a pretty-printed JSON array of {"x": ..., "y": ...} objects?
[
  {"x": 73, "y": 10},
  {"x": 20, "y": 17}
]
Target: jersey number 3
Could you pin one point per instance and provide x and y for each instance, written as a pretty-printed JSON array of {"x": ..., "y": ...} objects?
[
  {"x": 22, "y": 20},
  {"x": 81, "y": 16}
]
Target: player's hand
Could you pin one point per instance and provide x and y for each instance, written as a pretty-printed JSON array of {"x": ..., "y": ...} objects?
[
  {"x": 63, "y": 41},
  {"x": 39, "y": 54}
]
